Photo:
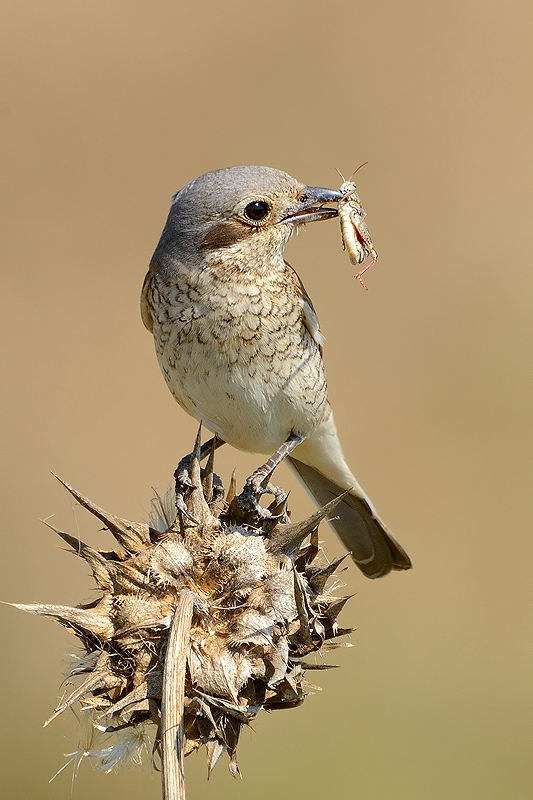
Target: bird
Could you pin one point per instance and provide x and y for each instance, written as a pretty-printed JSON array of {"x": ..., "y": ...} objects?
[{"x": 239, "y": 344}]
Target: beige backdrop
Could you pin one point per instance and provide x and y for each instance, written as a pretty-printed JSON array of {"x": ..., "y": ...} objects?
[{"x": 106, "y": 109}]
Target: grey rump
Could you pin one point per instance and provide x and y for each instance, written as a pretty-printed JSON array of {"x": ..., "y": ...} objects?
[{"x": 238, "y": 340}]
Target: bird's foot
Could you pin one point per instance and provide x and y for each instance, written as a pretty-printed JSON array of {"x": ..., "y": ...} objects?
[
  {"x": 255, "y": 487},
  {"x": 183, "y": 481},
  {"x": 211, "y": 483},
  {"x": 259, "y": 484}
]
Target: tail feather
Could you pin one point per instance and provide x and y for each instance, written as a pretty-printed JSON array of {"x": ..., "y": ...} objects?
[{"x": 372, "y": 546}]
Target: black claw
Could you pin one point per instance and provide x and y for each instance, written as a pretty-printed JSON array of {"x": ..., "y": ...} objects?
[
  {"x": 182, "y": 508},
  {"x": 183, "y": 482},
  {"x": 255, "y": 487},
  {"x": 251, "y": 504},
  {"x": 182, "y": 474}
]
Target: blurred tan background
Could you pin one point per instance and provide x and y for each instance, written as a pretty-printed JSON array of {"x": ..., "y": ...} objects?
[{"x": 107, "y": 108}]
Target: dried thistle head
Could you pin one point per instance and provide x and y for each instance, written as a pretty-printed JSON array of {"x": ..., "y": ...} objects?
[{"x": 261, "y": 608}]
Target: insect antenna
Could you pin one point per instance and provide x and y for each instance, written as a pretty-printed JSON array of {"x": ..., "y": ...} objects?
[
  {"x": 353, "y": 173},
  {"x": 340, "y": 173},
  {"x": 356, "y": 170}
]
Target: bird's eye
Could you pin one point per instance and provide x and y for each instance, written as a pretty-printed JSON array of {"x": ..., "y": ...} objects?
[{"x": 257, "y": 210}]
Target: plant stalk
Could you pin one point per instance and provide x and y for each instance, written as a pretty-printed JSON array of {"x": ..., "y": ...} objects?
[{"x": 173, "y": 698}]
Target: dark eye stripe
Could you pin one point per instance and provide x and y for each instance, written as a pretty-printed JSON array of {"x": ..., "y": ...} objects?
[{"x": 226, "y": 233}]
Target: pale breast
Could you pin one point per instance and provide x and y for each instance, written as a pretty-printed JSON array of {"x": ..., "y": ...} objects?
[{"x": 237, "y": 355}]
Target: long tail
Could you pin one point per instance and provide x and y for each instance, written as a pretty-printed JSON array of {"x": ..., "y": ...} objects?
[{"x": 320, "y": 465}]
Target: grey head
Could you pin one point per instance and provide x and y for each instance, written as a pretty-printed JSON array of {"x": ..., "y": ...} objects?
[{"x": 245, "y": 210}]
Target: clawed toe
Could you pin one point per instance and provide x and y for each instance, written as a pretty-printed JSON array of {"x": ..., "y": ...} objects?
[
  {"x": 249, "y": 500},
  {"x": 255, "y": 487},
  {"x": 182, "y": 508},
  {"x": 183, "y": 482}
]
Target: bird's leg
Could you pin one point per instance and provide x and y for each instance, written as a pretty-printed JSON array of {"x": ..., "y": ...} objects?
[
  {"x": 182, "y": 473},
  {"x": 257, "y": 479},
  {"x": 258, "y": 482}
]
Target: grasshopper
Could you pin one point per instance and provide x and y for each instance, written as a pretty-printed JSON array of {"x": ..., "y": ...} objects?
[{"x": 356, "y": 237}]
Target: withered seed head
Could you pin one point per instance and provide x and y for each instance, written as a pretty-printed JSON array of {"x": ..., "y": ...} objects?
[{"x": 262, "y": 608}]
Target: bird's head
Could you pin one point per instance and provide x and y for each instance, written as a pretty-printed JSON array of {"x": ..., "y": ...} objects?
[{"x": 239, "y": 213}]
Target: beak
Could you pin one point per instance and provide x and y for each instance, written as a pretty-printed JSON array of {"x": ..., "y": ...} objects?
[{"x": 310, "y": 208}]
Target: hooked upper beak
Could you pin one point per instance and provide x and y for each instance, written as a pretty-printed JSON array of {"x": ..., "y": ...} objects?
[{"x": 310, "y": 207}]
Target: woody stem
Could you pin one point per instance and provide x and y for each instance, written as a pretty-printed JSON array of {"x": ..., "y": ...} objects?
[{"x": 173, "y": 698}]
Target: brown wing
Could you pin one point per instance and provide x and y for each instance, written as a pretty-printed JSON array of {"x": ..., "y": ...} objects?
[
  {"x": 147, "y": 308},
  {"x": 309, "y": 317}
]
